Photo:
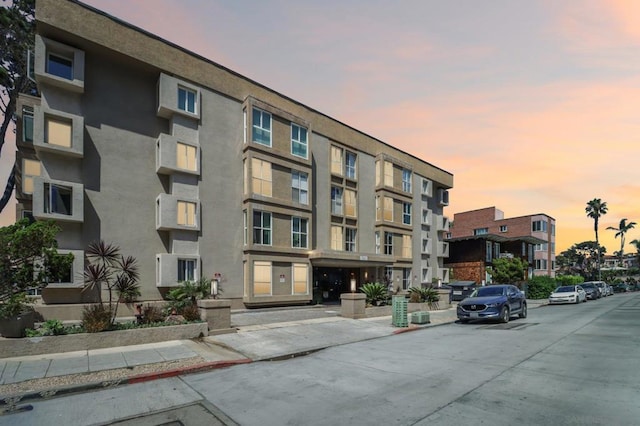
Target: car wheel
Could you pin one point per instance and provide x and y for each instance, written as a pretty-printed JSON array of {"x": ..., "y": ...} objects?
[
  {"x": 523, "y": 313},
  {"x": 577, "y": 299},
  {"x": 464, "y": 321},
  {"x": 504, "y": 315}
]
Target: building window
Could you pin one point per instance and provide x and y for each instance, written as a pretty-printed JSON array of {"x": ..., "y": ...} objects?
[
  {"x": 503, "y": 228},
  {"x": 298, "y": 141},
  {"x": 262, "y": 278},
  {"x": 350, "y": 239},
  {"x": 388, "y": 174},
  {"x": 336, "y": 238},
  {"x": 388, "y": 274},
  {"x": 542, "y": 247},
  {"x": 480, "y": 231},
  {"x": 27, "y": 214},
  {"x": 426, "y": 187},
  {"x": 350, "y": 203},
  {"x": 187, "y": 100},
  {"x": 406, "y": 278},
  {"x": 187, "y": 270},
  {"x": 406, "y": 213},
  {"x": 30, "y": 169},
  {"x": 300, "y": 278},
  {"x": 388, "y": 243},
  {"x": 59, "y": 66},
  {"x": 57, "y": 199},
  {"x": 186, "y": 213},
  {"x": 186, "y": 156},
  {"x": 261, "y": 177},
  {"x": 299, "y": 231},
  {"x": 336, "y": 200},
  {"x": 553, "y": 229},
  {"x": 245, "y": 227},
  {"x": 27, "y": 124},
  {"x": 350, "y": 165},
  {"x": 488, "y": 255},
  {"x": 425, "y": 217},
  {"x": 539, "y": 226},
  {"x": 388, "y": 209},
  {"x": 57, "y": 132},
  {"x": 541, "y": 264},
  {"x": 496, "y": 250},
  {"x": 377, "y": 237},
  {"x": 261, "y": 127},
  {"x": 406, "y": 180},
  {"x": 443, "y": 197},
  {"x": 299, "y": 187},
  {"x": 336, "y": 160},
  {"x": 262, "y": 228},
  {"x": 406, "y": 246}
]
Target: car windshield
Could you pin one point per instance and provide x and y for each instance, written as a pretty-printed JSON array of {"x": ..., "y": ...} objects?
[
  {"x": 565, "y": 289},
  {"x": 488, "y": 291},
  {"x": 586, "y": 286}
]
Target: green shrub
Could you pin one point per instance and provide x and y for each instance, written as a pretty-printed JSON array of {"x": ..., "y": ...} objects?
[
  {"x": 375, "y": 293},
  {"x": 96, "y": 318},
  {"x": 424, "y": 294},
  {"x": 569, "y": 280},
  {"x": 541, "y": 287}
]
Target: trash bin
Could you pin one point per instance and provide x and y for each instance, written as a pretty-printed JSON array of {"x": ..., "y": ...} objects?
[
  {"x": 399, "y": 306},
  {"x": 461, "y": 289}
]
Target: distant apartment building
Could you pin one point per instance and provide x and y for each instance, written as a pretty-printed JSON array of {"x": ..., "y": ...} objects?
[
  {"x": 479, "y": 236},
  {"x": 198, "y": 171}
]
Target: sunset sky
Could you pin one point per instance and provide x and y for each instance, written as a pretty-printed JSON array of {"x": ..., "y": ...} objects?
[{"x": 534, "y": 106}]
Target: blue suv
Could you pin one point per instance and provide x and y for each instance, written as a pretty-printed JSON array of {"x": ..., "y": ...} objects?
[{"x": 499, "y": 302}]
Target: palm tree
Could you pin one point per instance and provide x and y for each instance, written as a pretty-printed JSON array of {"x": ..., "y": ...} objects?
[
  {"x": 636, "y": 244},
  {"x": 595, "y": 209},
  {"x": 622, "y": 229}
]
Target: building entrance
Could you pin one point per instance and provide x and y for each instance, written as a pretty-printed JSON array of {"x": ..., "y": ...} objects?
[{"x": 330, "y": 283}]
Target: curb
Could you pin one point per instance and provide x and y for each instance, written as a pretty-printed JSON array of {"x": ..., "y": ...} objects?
[{"x": 11, "y": 402}]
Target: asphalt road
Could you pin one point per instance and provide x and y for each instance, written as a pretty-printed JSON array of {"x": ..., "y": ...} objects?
[{"x": 563, "y": 365}]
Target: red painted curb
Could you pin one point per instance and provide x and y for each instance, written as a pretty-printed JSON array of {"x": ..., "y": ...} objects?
[
  {"x": 185, "y": 370},
  {"x": 406, "y": 330}
]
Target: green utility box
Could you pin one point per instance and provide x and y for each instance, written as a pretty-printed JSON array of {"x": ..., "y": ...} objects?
[
  {"x": 420, "y": 317},
  {"x": 399, "y": 305}
]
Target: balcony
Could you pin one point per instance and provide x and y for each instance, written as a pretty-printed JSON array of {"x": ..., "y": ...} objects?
[
  {"x": 177, "y": 97},
  {"x": 58, "y": 132},
  {"x": 443, "y": 249},
  {"x": 176, "y": 156},
  {"x": 59, "y": 65},
  {"x": 58, "y": 200},
  {"x": 444, "y": 225},
  {"x": 177, "y": 213}
]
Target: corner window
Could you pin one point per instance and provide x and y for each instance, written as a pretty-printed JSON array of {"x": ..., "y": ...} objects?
[
  {"x": 299, "y": 187},
  {"x": 59, "y": 66},
  {"x": 406, "y": 213},
  {"x": 186, "y": 215},
  {"x": 58, "y": 199},
  {"x": 336, "y": 200},
  {"x": 186, "y": 156},
  {"x": 27, "y": 124},
  {"x": 539, "y": 226},
  {"x": 299, "y": 231},
  {"x": 57, "y": 132},
  {"x": 262, "y": 228},
  {"x": 187, "y": 269},
  {"x": 187, "y": 100},
  {"x": 298, "y": 141},
  {"x": 261, "y": 127},
  {"x": 350, "y": 165}
]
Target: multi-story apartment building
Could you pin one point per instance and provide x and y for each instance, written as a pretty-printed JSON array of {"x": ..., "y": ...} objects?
[
  {"x": 531, "y": 237},
  {"x": 198, "y": 171}
]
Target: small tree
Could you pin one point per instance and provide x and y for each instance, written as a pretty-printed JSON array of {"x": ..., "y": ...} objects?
[
  {"x": 109, "y": 270},
  {"x": 29, "y": 258},
  {"x": 508, "y": 270}
]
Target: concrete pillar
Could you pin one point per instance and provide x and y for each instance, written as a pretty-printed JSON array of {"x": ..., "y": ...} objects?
[
  {"x": 353, "y": 305},
  {"x": 217, "y": 314}
]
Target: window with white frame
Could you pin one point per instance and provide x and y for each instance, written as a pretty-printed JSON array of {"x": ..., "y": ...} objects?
[
  {"x": 336, "y": 237},
  {"x": 187, "y": 269},
  {"x": 350, "y": 203},
  {"x": 503, "y": 228},
  {"x": 261, "y": 127},
  {"x": 186, "y": 213},
  {"x": 388, "y": 243},
  {"x": 388, "y": 273},
  {"x": 245, "y": 227},
  {"x": 480, "y": 231},
  {"x": 406, "y": 278},
  {"x": 299, "y": 142},
  {"x": 58, "y": 199},
  {"x": 27, "y": 124},
  {"x": 425, "y": 217},
  {"x": 426, "y": 187},
  {"x": 542, "y": 247},
  {"x": 187, "y": 100},
  {"x": 377, "y": 238},
  {"x": 406, "y": 213},
  {"x": 299, "y": 232},
  {"x": 350, "y": 165},
  {"x": 186, "y": 156},
  {"x": 57, "y": 131},
  {"x": 262, "y": 278},
  {"x": 299, "y": 187},
  {"x": 300, "y": 278},
  {"x": 388, "y": 209},
  {"x": 350, "y": 239},
  {"x": 407, "y": 246},
  {"x": 406, "y": 180},
  {"x": 336, "y": 160},
  {"x": 261, "y": 177},
  {"x": 541, "y": 264},
  {"x": 262, "y": 228},
  {"x": 378, "y": 209},
  {"x": 30, "y": 169},
  {"x": 539, "y": 226},
  {"x": 59, "y": 65},
  {"x": 336, "y": 200}
]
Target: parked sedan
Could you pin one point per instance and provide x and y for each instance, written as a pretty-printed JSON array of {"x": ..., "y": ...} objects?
[
  {"x": 498, "y": 302},
  {"x": 568, "y": 294},
  {"x": 592, "y": 291}
]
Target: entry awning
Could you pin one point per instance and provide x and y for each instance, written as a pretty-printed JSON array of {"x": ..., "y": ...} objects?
[{"x": 332, "y": 258}]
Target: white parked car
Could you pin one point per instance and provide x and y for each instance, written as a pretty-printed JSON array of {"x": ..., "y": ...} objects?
[{"x": 568, "y": 294}]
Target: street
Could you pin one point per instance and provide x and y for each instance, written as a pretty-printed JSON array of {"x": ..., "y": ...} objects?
[{"x": 563, "y": 365}]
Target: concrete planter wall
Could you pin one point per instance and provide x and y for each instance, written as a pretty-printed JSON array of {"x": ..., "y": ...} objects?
[
  {"x": 87, "y": 341},
  {"x": 15, "y": 327}
]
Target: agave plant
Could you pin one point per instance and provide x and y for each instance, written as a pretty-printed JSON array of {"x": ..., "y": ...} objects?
[
  {"x": 425, "y": 294},
  {"x": 375, "y": 293}
]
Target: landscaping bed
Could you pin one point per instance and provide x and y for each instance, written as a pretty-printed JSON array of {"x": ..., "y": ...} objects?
[{"x": 87, "y": 341}]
